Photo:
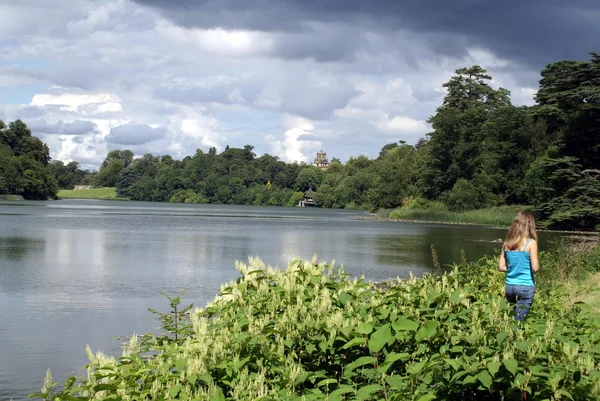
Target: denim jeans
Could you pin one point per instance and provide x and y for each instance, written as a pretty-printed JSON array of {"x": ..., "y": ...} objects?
[{"x": 522, "y": 296}]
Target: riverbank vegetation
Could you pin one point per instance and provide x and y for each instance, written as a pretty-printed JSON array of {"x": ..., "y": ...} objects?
[
  {"x": 497, "y": 216},
  {"x": 482, "y": 152},
  {"x": 11, "y": 197},
  {"x": 312, "y": 332},
  {"x": 24, "y": 159},
  {"x": 92, "y": 193}
]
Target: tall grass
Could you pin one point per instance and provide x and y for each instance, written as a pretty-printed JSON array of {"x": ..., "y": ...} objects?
[
  {"x": 496, "y": 216},
  {"x": 574, "y": 259},
  {"x": 95, "y": 193}
]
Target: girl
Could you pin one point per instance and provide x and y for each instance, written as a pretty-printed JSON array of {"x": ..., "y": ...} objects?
[{"x": 519, "y": 258}]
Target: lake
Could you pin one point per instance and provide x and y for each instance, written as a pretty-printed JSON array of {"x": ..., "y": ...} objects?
[{"x": 77, "y": 272}]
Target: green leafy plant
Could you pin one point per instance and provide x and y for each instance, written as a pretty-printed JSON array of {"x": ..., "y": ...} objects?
[
  {"x": 175, "y": 324},
  {"x": 313, "y": 332}
]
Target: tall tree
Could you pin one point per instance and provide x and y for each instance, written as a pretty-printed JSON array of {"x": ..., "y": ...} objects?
[
  {"x": 569, "y": 104},
  {"x": 453, "y": 147},
  {"x": 24, "y": 163}
]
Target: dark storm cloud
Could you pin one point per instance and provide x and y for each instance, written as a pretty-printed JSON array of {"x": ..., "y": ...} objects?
[
  {"x": 134, "y": 134},
  {"x": 531, "y": 32},
  {"x": 76, "y": 127}
]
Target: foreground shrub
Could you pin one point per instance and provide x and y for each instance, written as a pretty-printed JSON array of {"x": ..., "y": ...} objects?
[{"x": 312, "y": 332}]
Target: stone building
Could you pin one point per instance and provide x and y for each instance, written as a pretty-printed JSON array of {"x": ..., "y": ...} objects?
[{"x": 321, "y": 160}]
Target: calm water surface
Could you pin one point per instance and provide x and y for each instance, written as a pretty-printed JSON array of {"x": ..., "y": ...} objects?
[{"x": 76, "y": 272}]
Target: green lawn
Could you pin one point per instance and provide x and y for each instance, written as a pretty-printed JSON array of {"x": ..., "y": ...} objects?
[{"x": 95, "y": 193}]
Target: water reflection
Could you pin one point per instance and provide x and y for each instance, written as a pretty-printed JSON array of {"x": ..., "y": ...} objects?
[{"x": 18, "y": 246}]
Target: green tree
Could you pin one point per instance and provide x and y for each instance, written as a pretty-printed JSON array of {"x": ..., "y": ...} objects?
[
  {"x": 564, "y": 195},
  {"x": 569, "y": 103},
  {"x": 394, "y": 176},
  {"x": 24, "y": 163},
  {"x": 308, "y": 178},
  {"x": 452, "y": 149},
  {"x": 109, "y": 173}
]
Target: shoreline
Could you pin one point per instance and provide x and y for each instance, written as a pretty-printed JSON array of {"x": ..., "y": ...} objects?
[
  {"x": 9, "y": 197},
  {"x": 381, "y": 218}
]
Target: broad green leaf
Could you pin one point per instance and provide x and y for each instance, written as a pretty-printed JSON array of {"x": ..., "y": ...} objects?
[
  {"x": 180, "y": 364},
  {"x": 457, "y": 349},
  {"x": 564, "y": 393},
  {"x": 458, "y": 375},
  {"x": 384, "y": 313},
  {"x": 427, "y": 331},
  {"x": 378, "y": 339},
  {"x": 69, "y": 383},
  {"x": 512, "y": 365},
  {"x": 455, "y": 363},
  {"x": 337, "y": 394},
  {"x": 390, "y": 359},
  {"x": 396, "y": 382},
  {"x": 355, "y": 341},
  {"x": 416, "y": 368},
  {"x": 218, "y": 395},
  {"x": 404, "y": 324},
  {"x": 427, "y": 397},
  {"x": 365, "y": 328},
  {"x": 538, "y": 370},
  {"x": 362, "y": 361},
  {"x": 393, "y": 357},
  {"x": 485, "y": 379},
  {"x": 365, "y": 392},
  {"x": 522, "y": 345},
  {"x": 325, "y": 382},
  {"x": 344, "y": 297},
  {"x": 493, "y": 367},
  {"x": 174, "y": 390}
]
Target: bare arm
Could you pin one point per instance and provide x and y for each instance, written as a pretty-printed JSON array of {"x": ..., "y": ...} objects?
[
  {"x": 502, "y": 262},
  {"x": 533, "y": 253}
]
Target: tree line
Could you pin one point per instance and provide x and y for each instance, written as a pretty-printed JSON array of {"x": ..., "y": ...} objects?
[{"x": 482, "y": 151}]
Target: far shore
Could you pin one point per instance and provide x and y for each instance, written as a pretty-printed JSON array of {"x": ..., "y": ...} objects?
[
  {"x": 11, "y": 197},
  {"x": 496, "y": 217},
  {"x": 374, "y": 216}
]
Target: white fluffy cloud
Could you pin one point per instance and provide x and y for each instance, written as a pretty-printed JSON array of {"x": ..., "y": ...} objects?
[{"x": 109, "y": 75}]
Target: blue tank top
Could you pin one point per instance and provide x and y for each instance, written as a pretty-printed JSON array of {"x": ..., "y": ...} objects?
[{"x": 518, "y": 264}]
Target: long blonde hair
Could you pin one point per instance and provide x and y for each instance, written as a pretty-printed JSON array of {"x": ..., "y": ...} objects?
[{"x": 522, "y": 228}]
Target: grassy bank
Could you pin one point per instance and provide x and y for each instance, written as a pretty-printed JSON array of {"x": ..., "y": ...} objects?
[
  {"x": 311, "y": 332},
  {"x": 573, "y": 267},
  {"x": 495, "y": 216},
  {"x": 95, "y": 193},
  {"x": 11, "y": 197}
]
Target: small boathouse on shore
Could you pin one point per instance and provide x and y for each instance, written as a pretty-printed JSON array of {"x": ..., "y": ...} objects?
[{"x": 308, "y": 199}]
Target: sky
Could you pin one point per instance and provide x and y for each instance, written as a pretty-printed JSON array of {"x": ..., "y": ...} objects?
[{"x": 289, "y": 77}]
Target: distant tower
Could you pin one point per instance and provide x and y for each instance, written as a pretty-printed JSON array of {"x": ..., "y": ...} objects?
[{"x": 321, "y": 160}]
